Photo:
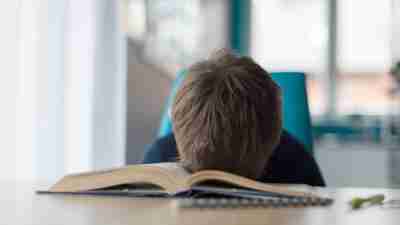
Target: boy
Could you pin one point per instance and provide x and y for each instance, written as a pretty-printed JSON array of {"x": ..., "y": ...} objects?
[{"x": 227, "y": 116}]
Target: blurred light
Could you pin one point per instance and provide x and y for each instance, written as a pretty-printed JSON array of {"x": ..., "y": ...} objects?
[
  {"x": 137, "y": 19},
  {"x": 364, "y": 35},
  {"x": 289, "y": 36}
]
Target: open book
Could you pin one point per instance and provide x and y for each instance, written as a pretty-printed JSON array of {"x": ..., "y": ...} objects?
[{"x": 172, "y": 180}]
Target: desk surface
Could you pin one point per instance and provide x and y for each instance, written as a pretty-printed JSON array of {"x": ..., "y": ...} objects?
[{"x": 87, "y": 210}]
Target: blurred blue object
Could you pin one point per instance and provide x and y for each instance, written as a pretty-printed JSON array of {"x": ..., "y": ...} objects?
[
  {"x": 166, "y": 124},
  {"x": 296, "y": 114},
  {"x": 239, "y": 34}
]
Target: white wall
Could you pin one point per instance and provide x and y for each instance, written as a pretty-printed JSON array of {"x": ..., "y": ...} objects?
[
  {"x": 80, "y": 43},
  {"x": 395, "y": 27},
  {"x": 95, "y": 81},
  {"x": 8, "y": 85},
  {"x": 49, "y": 124},
  {"x": 26, "y": 104},
  {"x": 109, "y": 91},
  {"x": 65, "y": 92}
]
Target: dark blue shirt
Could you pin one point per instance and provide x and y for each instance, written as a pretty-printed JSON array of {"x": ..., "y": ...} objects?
[{"x": 289, "y": 164}]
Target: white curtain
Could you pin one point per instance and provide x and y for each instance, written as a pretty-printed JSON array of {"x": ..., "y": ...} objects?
[{"x": 71, "y": 88}]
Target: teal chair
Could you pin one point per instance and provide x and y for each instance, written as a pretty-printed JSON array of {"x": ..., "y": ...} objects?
[{"x": 296, "y": 114}]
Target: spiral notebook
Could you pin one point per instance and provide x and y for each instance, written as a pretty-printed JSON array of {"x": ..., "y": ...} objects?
[
  {"x": 207, "y": 197},
  {"x": 273, "y": 202}
]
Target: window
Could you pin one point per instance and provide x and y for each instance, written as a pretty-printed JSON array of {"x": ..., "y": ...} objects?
[
  {"x": 292, "y": 35},
  {"x": 364, "y": 36}
]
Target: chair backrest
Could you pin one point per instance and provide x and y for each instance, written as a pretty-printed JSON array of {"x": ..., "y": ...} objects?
[{"x": 296, "y": 114}]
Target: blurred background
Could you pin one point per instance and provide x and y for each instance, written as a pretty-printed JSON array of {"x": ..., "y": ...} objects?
[{"x": 84, "y": 83}]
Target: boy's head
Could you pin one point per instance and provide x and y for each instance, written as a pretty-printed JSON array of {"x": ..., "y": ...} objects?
[{"x": 227, "y": 116}]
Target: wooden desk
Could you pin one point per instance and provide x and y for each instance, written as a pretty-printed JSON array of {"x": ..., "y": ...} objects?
[{"x": 79, "y": 210}]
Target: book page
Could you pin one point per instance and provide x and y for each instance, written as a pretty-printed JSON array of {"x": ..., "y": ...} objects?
[
  {"x": 228, "y": 178},
  {"x": 173, "y": 169},
  {"x": 168, "y": 176}
]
